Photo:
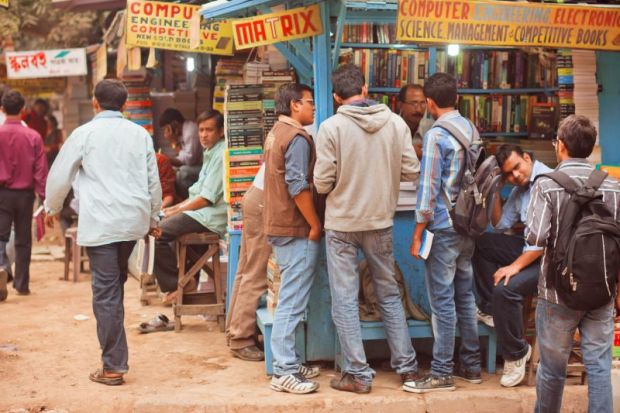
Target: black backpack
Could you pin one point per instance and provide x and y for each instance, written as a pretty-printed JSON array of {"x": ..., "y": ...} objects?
[
  {"x": 586, "y": 256},
  {"x": 480, "y": 181}
]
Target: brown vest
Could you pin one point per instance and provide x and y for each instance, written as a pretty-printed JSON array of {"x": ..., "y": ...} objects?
[{"x": 281, "y": 216}]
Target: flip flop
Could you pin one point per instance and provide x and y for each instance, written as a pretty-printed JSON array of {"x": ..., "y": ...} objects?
[
  {"x": 159, "y": 323},
  {"x": 98, "y": 376},
  {"x": 4, "y": 276}
]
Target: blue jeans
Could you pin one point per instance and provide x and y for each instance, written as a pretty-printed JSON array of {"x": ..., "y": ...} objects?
[
  {"x": 297, "y": 261},
  {"x": 342, "y": 250},
  {"x": 109, "y": 266},
  {"x": 555, "y": 328},
  {"x": 450, "y": 282}
]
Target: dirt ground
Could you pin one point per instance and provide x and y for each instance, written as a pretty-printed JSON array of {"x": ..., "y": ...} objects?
[{"x": 46, "y": 355}]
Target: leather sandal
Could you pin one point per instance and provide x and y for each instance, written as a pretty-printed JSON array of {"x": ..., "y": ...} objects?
[{"x": 99, "y": 376}]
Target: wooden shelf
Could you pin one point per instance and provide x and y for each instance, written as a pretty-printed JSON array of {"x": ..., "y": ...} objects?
[{"x": 522, "y": 91}]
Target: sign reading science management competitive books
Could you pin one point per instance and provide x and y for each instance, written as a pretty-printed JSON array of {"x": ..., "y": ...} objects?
[
  {"x": 502, "y": 23},
  {"x": 172, "y": 25}
]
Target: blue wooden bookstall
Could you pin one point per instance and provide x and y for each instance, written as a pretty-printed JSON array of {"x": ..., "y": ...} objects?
[{"x": 313, "y": 60}]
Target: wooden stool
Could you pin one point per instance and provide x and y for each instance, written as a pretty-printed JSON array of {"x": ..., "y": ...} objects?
[
  {"x": 73, "y": 254},
  {"x": 198, "y": 303}
]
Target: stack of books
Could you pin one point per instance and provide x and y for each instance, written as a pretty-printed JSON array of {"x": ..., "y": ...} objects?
[
  {"x": 252, "y": 72},
  {"x": 389, "y": 68},
  {"x": 273, "y": 283},
  {"x": 228, "y": 71},
  {"x": 244, "y": 137},
  {"x": 139, "y": 105},
  {"x": 271, "y": 81},
  {"x": 566, "y": 82}
]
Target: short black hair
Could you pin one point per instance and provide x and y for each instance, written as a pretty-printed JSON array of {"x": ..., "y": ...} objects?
[
  {"x": 170, "y": 115},
  {"x": 12, "y": 102},
  {"x": 504, "y": 152},
  {"x": 441, "y": 88},
  {"x": 287, "y": 93},
  {"x": 578, "y": 135},
  {"x": 348, "y": 80},
  {"x": 402, "y": 95},
  {"x": 43, "y": 102},
  {"x": 111, "y": 94},
  {"x": 211, "y": 114}
]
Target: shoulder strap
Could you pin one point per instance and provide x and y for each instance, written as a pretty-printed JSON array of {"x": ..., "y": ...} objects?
[
  {"x": 458, "y": 135},
  {"x": 563, "y": 180},
  {"x": 596, "y": 178}
]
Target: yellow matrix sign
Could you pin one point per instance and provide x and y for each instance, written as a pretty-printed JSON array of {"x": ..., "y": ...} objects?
[
  {"x": 502, "y": 23},
  {"x": 278, "y": 27}
]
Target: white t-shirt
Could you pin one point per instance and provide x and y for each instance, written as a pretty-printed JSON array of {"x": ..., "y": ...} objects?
[{"x": 259, "y": 179}]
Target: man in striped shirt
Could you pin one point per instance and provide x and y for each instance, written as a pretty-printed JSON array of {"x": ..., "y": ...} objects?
[
  {"x": 555, "y": 322},
  {"x": 449, "y": 273}
]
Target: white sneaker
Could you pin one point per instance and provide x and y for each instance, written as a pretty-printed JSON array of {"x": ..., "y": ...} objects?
[
  {"x": 293, "y": 383},
  {"x": 514, "y": 371},
  {"x": 309, "y": 372},
  {"x": 486, "y": 319}
]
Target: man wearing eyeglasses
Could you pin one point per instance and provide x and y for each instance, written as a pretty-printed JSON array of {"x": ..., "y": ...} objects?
[{"x": 412, "y": 108}]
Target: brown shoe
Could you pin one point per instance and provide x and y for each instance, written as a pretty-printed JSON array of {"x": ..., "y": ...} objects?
[
  {"x": 349, "y": 383},
  {"x": 410, "y": 376},
  {"x": 251, "y": 353}
]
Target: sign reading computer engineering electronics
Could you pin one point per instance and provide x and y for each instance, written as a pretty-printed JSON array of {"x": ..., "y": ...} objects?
[
  {"x": 46, "y": 63},
  {"x": 503, "y": 23},
  {"x": 278, "y": 27},
  {"x": 173, "y": 26}
]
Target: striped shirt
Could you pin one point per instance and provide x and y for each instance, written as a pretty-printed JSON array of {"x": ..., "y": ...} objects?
[
  {"x": 546, "y": 207},
  {"x": 442, "y": 160}
]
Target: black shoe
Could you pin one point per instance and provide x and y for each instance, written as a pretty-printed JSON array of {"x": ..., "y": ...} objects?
[
  {"x": 460, "y": 372},
  {"x": 410, "y": 377},
  {"x": 431, "y": 383},
  {"x": 25, "y": 292}
]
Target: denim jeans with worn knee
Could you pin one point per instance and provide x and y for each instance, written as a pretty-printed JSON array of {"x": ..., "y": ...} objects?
[
  {"x": 450, "y": 282},
  {"x": 297, "y": 261},
  {"x": 555, "y": 328},
  {"x": 342, "y": 250}
]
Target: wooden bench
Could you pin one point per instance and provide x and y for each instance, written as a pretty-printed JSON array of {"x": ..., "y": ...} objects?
[
  {"x": 199, "y": 303},
  {"x": 373, "y": 330},
  {"x": 75, "y": 255},
  {"x": 264, "y": 320}
]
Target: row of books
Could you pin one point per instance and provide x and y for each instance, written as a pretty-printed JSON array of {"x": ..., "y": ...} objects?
[
  {"x": 493, "y": 69},
  {"x": 228, "y": 71},
  {"x": 534, "y": 114},
  {"x": 389, "y": 68},
  {"x": 369, "y": 33}
]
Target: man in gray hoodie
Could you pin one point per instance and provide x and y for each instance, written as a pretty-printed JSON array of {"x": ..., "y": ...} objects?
[{"x": 364, "y": 151}]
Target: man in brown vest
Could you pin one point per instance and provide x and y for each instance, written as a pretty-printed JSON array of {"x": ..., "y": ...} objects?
[{"x": 293, "y": 229}]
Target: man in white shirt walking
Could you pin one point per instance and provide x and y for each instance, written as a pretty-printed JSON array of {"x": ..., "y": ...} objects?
[{"x": 120, "y": 199}]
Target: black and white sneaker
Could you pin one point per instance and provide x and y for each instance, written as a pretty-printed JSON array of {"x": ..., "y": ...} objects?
[
  {"x": 293, "y": 383},
  {"x": 460, "y": 372},
  {"x": 309, "y": 372},
  {"x": 430, "y": 383}
]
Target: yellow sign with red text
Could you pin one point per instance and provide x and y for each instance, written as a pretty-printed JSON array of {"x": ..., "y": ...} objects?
[
  {"x": 502, "y": 23},
  {"x": 278, "y": 27},
  {"x": 173, "y": 26}
]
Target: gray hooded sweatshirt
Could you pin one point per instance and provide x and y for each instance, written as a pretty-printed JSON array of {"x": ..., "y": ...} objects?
[{"x": 363, "y": 153}]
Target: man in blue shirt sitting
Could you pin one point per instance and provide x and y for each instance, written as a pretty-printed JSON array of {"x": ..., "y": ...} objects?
[{"x": 505, "y": 268}]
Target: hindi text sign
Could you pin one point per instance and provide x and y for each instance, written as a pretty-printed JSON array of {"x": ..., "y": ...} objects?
[
  {"x": 46, "y": 63},
  {"x": 278, "y": 27},
  {"x": 502, "y": 23},
  {"x": 170, "y": 26}
]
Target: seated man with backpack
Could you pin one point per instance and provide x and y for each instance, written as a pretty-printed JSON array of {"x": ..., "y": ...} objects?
[
  {"x": 506, "y": 268},
  {"x": 573, "y": 214}
]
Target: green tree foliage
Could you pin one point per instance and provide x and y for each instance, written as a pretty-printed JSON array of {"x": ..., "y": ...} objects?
[{"x": 36, "y": 24}]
